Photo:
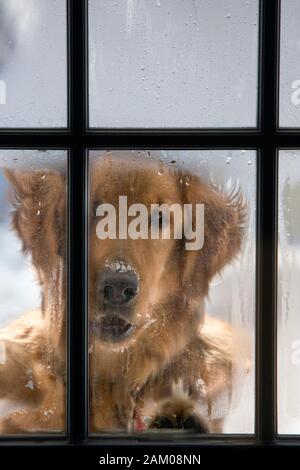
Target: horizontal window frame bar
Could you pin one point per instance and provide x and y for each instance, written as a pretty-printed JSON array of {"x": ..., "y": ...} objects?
[
  {"x": 113, "y": 443},
  {"x": 161, "y": 132},
  {"x": 139, "y": 141}
]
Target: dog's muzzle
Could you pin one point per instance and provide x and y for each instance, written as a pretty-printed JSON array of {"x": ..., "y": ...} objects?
[
  {"x": 112, "y": 328},
  {"x": 115, "y": 294}
]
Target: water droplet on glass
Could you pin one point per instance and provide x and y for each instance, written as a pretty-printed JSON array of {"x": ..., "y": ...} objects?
[
  {"x": 228, "y": 15},
  {"x": 228, "y": 160}
]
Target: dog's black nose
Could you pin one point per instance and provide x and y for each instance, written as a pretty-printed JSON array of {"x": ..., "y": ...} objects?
[{"x": 118, "y": 288}]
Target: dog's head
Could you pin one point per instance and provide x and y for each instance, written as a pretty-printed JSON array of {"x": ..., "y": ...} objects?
[
  {"x": 142, "y": 286},
  {"x": 136, "y": 286}
]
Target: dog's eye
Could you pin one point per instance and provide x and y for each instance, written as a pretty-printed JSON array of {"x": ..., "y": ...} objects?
[
  {"x": 157, "y": 219},
  {"x": 95, "y": 206},
  {"x": 160, "y": 221}
]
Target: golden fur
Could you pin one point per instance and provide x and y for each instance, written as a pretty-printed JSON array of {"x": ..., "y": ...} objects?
[{"x": 178, "y": 362}]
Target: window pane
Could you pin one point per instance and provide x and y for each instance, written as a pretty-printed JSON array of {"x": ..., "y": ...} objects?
[
  {"x": 288, "y": 294},
  {"x": 163, "y": 353},
  {"x": 173, "y": 63},
  {"x": 290, "y": 64},
  {"x": 33, "y": 63},
  {"x": 32, "y": 291}
]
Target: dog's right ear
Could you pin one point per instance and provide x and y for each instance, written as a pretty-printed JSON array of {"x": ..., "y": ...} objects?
[
  {"x": 224, "y": 225},
  {"x": 38, "y": 198}
]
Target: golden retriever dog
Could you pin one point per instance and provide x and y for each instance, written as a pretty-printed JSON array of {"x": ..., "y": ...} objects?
[{"x": 156, "y": 360}]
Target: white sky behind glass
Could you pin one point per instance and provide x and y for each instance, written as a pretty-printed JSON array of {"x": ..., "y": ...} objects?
[
  {"x": 289, "y": 115},
  {"x": 33, "y": 63},
  {"x": 173, "y": 63},
  {"x": 288, "y": 293},
  {"x": 232, "y": 294}
]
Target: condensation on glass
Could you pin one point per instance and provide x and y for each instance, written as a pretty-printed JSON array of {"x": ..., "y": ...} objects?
[
  {"x": 288, "y": 344},
  {"x": 32, "y": 291},
  {"x": 289, "y": 112},
  {"x": 173, "y": 63},
  {"x": 172, "y": 326},
  {"x": 33, "y": 63}
]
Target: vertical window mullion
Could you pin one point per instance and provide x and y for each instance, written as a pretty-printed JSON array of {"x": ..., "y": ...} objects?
[
  {"x": 77, "y": 383},
  {"x": 266, "y": 409}
]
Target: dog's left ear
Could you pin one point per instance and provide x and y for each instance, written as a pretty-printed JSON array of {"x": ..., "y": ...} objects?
[
  {"x": 39, "y": 215},
  {"x": 224, "y": 222}
]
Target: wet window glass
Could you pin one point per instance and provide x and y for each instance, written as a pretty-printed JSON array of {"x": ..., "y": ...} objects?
[
  {"x": 172, "y": 291},
  {"x": 289, "y": 115},
  {"x": 173, "y": 63},
  {"x": 288, "y": 293},
  {"x": 33, "y": 63},
  {"x": 32, "y": 291}
]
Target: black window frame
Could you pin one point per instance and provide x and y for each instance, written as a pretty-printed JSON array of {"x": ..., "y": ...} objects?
[{"x": 77, "y": 138}]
